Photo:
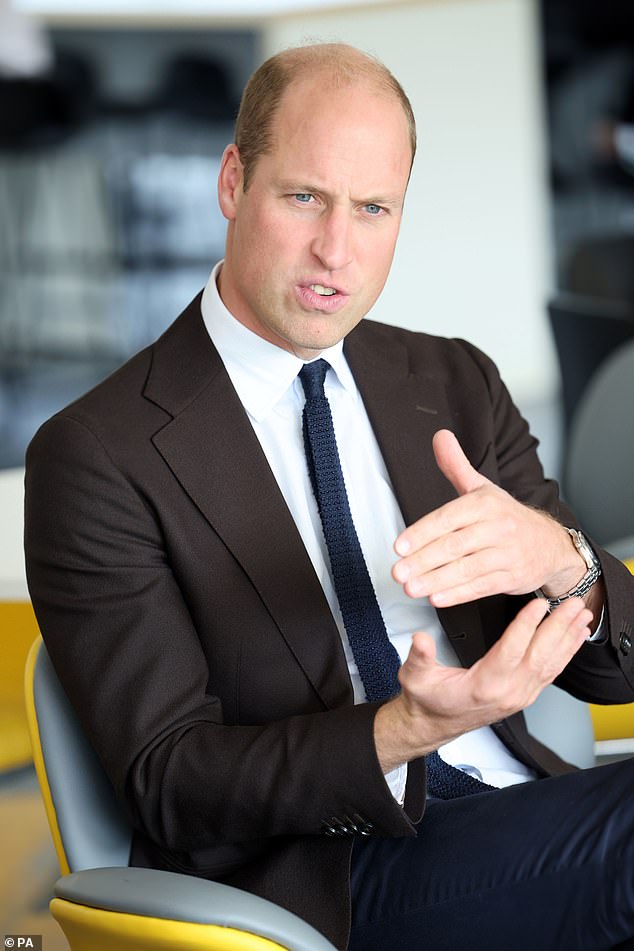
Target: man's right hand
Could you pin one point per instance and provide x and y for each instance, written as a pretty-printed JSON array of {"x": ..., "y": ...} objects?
[{"x": 437, "y": 703}]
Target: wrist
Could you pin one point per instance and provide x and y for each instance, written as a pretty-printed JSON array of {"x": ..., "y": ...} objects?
[
  {"x": 396, "y": 735},
  {"x": 579, "y": 578}
]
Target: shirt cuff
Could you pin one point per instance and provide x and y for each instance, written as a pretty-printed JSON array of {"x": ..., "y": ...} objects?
[
  {"x": 600, "y": 635},
  {"x": 397, "y": 781}
]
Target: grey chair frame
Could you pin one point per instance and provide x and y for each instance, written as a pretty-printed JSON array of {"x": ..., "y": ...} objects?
[
  {"x": 96, "y": 839},
  {"x": 598, "y": 481}
]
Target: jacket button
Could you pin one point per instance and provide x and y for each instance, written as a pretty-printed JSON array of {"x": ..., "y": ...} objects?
[
  {"x": 360, "y": 825},
  {"x": 625, "y": 643}
]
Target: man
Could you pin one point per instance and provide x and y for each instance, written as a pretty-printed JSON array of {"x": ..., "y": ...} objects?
[{"x": 183, "y": 569}]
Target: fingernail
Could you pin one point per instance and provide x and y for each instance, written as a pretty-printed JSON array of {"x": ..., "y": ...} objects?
[{"x": 402, "y": 546}]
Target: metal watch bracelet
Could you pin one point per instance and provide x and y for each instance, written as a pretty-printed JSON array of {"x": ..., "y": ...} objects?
[{"x": 590, "y": 578}]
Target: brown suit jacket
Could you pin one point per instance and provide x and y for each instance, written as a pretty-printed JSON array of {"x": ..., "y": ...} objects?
[{"x": 187, "y": 625}]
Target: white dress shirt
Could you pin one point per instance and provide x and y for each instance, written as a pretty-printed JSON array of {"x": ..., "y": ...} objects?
[{"x": 265, "y": 378}]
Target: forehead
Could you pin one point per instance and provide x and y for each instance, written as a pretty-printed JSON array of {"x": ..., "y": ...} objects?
[{"x": 356, "y": 129}]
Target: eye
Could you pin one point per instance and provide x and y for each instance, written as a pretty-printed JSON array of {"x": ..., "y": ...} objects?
[
  {"x": 373, "y": 209},
  {"x": 303, "y": 197}
]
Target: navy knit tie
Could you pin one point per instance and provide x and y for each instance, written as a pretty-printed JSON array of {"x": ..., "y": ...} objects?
[{"x": 375, "y": 656}]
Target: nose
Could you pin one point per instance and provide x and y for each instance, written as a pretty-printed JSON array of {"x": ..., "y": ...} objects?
[{"x": 332, "y": 243}]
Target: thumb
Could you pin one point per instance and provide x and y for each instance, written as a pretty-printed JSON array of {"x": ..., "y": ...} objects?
[
  {"x": 420, "y": 661},
  {"x": 422, "y": 652},
  {"x": 454, "y": 465}
]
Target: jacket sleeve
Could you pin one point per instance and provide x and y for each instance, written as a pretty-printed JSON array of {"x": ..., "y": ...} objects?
[
  {"x": 123, "y": 642},
  {"x": 599, "y": 673}
]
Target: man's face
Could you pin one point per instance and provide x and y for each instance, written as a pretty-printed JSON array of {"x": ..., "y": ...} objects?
[{"x": 311, "y": 241}]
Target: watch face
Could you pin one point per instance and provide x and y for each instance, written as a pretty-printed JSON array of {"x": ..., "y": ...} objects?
[{"x": 584, "y": 549}]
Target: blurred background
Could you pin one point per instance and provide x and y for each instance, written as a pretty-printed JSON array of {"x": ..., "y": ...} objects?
[{"x": 518, "y": 235}]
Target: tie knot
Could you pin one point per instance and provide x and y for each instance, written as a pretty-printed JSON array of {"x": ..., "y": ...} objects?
[{"x": 312, "y": 376}]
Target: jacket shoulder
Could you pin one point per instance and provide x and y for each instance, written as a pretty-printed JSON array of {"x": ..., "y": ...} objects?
[{"x": 445, "y": 358}]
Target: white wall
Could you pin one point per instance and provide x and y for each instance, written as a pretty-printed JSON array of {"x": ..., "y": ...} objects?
[
  {"x": 474, "y": 252},
  {"x": 12, "y": 574}
]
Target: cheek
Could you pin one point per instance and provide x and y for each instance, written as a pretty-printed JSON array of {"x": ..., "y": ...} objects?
[
  {"x": 378, "y": 260},
  {"x": 272, "y": 240},
  {"x": 387, "y": 251}
]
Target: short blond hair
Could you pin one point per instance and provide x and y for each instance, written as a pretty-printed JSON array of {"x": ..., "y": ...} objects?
[{"x": 342, "y": 65}]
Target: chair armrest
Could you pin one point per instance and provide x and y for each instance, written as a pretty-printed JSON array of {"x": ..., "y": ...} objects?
[
  {"x": 158, "y": 894},
  {"x": 623, "y": 548}
]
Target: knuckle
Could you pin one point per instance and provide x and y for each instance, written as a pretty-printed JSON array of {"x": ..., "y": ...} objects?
[
  {"x": 454, "y": 546},
  {"x": 543, "y": 671},
  {"x": 480, "y": 586},
  {"x": 443, "y": 520},
  {"x": 465, "y": 570}
]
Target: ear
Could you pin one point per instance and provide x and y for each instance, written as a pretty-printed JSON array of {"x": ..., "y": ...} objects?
[{"x": 230, "y": 181}]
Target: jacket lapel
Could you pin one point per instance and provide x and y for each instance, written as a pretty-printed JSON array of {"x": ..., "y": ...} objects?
[{"x": 211, "y": 449}]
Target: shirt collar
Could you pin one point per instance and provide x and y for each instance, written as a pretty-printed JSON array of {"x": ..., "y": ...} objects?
[{"x": 261, "y": 373}]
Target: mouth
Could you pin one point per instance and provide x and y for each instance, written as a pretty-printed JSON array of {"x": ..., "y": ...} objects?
[
  {"x": 323, "y": 291},
  {"x": 320, "y": 298}
]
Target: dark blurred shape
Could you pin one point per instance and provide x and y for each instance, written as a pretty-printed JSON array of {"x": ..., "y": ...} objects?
[
  {"x": 586, "y": 331},
  {"x": 599, "y": 464},
  {"x": 40, "y": 111},
  {"x": 608, "y": 23},
  {"x": 602, "y": 266},
  {"x": 197, "y": 85},
  {"x": 589, "y": 70},
  {"x": 572, "y": 28}
]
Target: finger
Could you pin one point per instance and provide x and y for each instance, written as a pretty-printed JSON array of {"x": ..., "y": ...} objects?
[
  {"x": 543, "y": 644},
  {"x": 441, "y": 522},
  {"x": 453, "y": 463},
  {"x": 453, "y": 558},
  {"x": 513, "y": 645},
  {"x": 483, "y": 585},
  {"x": 563, "y": 631},
  {"x": 531, "y": 653}
]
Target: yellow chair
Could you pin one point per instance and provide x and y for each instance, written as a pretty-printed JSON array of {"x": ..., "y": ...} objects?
[
  {"x": 102, "y": 904},
  {"x": 614, "y": 724},
  {"x": 18, "y": 627}
]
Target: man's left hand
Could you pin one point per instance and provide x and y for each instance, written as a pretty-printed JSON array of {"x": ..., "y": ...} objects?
[{"x": 483, "y": 543}]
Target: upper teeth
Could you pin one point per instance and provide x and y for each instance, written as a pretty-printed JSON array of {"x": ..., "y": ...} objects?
[{"x": 320, "y": 289}]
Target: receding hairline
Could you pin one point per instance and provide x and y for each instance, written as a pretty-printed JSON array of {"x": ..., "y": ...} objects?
[
  {"x": 338, "y": 64},
  {"x": 341, "y": 65},
  {"x": 346, "y": 61}
]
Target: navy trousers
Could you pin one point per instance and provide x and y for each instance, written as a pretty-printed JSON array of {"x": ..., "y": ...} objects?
[{"x": 545, "y": 866}]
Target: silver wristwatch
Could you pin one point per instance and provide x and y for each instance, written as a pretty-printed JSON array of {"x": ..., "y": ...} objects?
[{"x": 591, "y": 576}]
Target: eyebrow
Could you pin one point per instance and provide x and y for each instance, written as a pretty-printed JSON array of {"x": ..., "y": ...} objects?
[{"x": 297, "y": 188}]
